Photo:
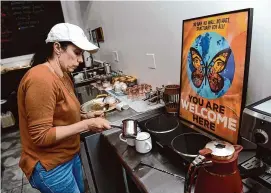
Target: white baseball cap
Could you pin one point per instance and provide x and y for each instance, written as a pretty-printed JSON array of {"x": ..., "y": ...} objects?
[{"x": 72, "y": 33}]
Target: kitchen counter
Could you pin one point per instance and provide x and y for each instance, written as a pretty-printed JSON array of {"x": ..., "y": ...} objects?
[
  {"x": 87, "y": 93},
  {"x": 103, "y": 176},
  {"x": 148, "y": 179}
]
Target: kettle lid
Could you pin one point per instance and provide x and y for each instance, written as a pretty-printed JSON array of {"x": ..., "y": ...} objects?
[{"x": 221, "y": 148}]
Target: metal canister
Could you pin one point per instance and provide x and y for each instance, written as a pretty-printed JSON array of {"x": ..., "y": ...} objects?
[
  {"x": 129, "y": 128},
  {"x": 171, "y": 97},
  {"x": 107, "y": 68}
]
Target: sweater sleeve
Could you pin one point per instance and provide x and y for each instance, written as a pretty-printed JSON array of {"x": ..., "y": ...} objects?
[{"x": 40, "y": 102}]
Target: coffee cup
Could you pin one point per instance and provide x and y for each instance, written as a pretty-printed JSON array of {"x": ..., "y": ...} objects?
[
  {"x": 122, "y": 106},
  {"x": 129, "y": 141},
  {"x": 143, "y": 143}
]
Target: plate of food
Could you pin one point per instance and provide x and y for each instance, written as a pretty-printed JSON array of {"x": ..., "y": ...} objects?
[{"x": 104, "y": 103}]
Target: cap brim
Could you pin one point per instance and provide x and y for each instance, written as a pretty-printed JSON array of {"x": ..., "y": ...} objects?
[{"x": 84, "y": 44}]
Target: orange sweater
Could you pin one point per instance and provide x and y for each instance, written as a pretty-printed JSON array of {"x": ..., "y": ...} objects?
[{"x": 44, "y": 102}]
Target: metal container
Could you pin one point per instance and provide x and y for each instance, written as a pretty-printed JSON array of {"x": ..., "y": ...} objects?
[
  {"x": 88, "y": 59},
  {"x": 129, "y": 129},
  {"x": 171, "y": 97},
  {"x": 107, "y": 68}
]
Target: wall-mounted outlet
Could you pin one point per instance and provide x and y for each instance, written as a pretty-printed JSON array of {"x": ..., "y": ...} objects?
[
  {"x": 151, "y": 60},
  {"x": 115, "y": 56}
]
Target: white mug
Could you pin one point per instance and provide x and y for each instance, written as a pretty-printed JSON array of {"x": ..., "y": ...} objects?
[
  {"x": 129, "y": 141},
  {"x": 122, "y": 106},
  {"x": 143, "y": 142}
]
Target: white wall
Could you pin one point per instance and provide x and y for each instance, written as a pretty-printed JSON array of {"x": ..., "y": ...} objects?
[
  {"x": 72, "y": 14},
  {"x": 137, "y": 28}
]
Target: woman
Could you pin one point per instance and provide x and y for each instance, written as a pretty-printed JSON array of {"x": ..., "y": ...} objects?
[{"x": 49, "y": 114}]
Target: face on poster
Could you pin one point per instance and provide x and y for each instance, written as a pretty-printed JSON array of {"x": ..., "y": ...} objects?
[{"x": 212, "y": 72}]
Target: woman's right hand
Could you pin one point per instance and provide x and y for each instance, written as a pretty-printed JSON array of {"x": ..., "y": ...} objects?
[{"x": 97, "y": 124}]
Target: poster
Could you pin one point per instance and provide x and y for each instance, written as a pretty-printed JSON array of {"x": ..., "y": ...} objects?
[{"x": 214, "y": 70}]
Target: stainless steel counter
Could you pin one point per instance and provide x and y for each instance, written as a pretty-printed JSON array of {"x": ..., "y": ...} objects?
[
  {"x": 147, "y": 179},
  {"x": 117, "y": 116},
  {"x": 88, "y": 92},
  {"x": 101, "y": 169}
]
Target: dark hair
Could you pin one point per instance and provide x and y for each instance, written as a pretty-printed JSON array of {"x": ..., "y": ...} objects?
[{"x": 45, "y": 52}]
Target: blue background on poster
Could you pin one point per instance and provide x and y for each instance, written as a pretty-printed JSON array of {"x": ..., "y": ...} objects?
[{"x": 208, "y": 45}]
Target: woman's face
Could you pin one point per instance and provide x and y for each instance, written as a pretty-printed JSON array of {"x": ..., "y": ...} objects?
[{"x": 70, "y": 58}]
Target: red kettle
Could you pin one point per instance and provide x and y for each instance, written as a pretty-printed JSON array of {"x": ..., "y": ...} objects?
[{"x": 216, "y": 168}]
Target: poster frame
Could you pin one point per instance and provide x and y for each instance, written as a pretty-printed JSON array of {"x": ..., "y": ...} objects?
[{"x": 246, "y": 65}]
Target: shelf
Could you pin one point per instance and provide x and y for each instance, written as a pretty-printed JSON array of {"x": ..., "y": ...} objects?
[
  {"x": 84, "y": 82},
  {"x": 88, "y": 70}
]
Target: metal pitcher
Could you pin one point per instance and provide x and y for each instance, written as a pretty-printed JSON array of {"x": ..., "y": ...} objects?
[{"x": 129, "y": 129}]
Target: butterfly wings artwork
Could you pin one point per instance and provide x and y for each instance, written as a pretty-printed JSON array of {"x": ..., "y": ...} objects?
[{"x": 204, "y": 71}]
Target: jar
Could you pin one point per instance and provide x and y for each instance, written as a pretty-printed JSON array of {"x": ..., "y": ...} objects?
[{"x": 171, "y": 98}]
